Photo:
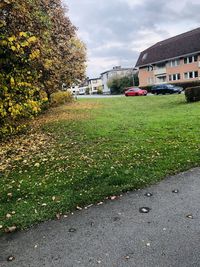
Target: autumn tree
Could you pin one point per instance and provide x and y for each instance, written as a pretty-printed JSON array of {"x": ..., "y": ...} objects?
[{"x": 39, "y": 50}]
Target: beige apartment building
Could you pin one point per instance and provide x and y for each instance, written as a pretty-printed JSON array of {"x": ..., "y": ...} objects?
[
  {"x": 174, "y": 60},
  {"x": 94, "y": 85}
]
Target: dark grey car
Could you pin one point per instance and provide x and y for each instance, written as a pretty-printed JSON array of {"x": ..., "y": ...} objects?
[{"x": 166, "y": 89}]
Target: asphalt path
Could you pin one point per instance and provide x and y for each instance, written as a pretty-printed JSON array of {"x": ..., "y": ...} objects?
[{"x": 116, "y": 233}]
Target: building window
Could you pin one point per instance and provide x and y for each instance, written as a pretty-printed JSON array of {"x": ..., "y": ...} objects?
[
  {"x": 161, "y": 79},
  {"x": 174, "y": 63},
  {"x": 149, "y": 68},
  {"x": 174, "y": 77},
  {"x": 191, "y": 75},
  {"x": 190, "y": 59}
]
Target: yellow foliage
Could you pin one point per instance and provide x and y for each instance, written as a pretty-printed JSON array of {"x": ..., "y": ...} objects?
[
  {"x": 15, "y": 110},
  {"x": 3, "y": 42},
  {"x": 12, "y": 81},
  {"x": 13, "y": 48},
  {"x": 2, "y": 23},
  {"x": 24, "y": 44},
  {"x": 33, "y": 105},
  {"x": 35, "y": 54},
  {"x": 32, "y": 39},
  {"x": 23, "y": 34},
  {"x": 47, "y": 63},
  {"x": 12, "y": 38},
  {"x": 24, "y": 84},
  {"x": 60, "y": 98},
  {"x": 19, "y": 98},
  {"x": 43, "y": 96}
]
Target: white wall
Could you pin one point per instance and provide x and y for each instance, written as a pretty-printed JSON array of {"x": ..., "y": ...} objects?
[{"x": 113, "y": 73}]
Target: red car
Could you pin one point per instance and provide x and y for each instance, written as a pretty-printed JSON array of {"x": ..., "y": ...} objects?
[{"x": 135, "y": 91}]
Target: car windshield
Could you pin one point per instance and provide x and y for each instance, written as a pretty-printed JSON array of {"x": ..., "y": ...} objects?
[
  {"x": 170, "y": 86},
  {"x": 133, "y": 90}
]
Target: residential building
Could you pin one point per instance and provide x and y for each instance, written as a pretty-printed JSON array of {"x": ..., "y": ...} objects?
[
  {"x": 94, "y": 85},
  {"x": 174, "y": 60},
  {"x": 74, "y": 89},
  {"x": 117, "y": 71},
  {"x": 78, "y": 88}
]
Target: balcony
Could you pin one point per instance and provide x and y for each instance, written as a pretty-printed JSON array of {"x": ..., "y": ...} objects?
[{"x": 159, "y": 71}]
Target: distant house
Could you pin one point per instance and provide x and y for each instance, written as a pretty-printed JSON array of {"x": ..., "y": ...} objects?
[
  {"x": 94, "y": 85},
  {"x": 78, "y": 88},
  {"x": 117, "y": 71},
  {"x": 74, "y": 89},
  {"x": 174, "y": 60}
]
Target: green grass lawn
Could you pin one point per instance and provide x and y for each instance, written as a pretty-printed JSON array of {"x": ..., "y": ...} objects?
[{"x": 110, "y": 146}]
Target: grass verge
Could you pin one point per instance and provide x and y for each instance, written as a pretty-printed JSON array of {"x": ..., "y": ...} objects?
[{"x": 100, "y": 148}]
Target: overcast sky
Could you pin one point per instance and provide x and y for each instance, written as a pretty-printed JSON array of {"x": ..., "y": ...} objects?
[{"x": 115, "y": 31}]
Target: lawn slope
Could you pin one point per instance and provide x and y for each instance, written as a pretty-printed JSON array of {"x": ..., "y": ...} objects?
[{"x": 98, "y": 148}]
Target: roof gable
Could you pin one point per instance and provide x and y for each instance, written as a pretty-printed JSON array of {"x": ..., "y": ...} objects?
[{"x": 183, "y": 44}]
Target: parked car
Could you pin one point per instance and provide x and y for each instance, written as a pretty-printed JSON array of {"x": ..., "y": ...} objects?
[
  {"x": 135, "y": 91},
  {"x": 166, "y": 89}
]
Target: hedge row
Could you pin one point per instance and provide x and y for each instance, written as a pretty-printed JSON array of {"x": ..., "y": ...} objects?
[{"x": 192, "y": 94}]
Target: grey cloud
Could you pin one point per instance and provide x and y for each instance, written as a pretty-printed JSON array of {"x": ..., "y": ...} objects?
[
  {"x": 190, "y": 12},
  {"x": 115, "y": 21}
]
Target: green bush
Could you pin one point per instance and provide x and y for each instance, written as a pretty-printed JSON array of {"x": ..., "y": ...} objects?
[
  {"x": 118, "y": 84},
  {"x": 61, "y": 98},
  {"x": 100, "y": 90},
  {"x": 192, "y": 94},
  {"x": 87, "y": 91}
]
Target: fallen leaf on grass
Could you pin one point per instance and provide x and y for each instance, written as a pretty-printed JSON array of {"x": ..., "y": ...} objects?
[
  {"x": 113, "y": 197},
  {"x": 10, "y": 229},
  {"x": 37, "y": 164},
  {"x": 58, "y": 216}
]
